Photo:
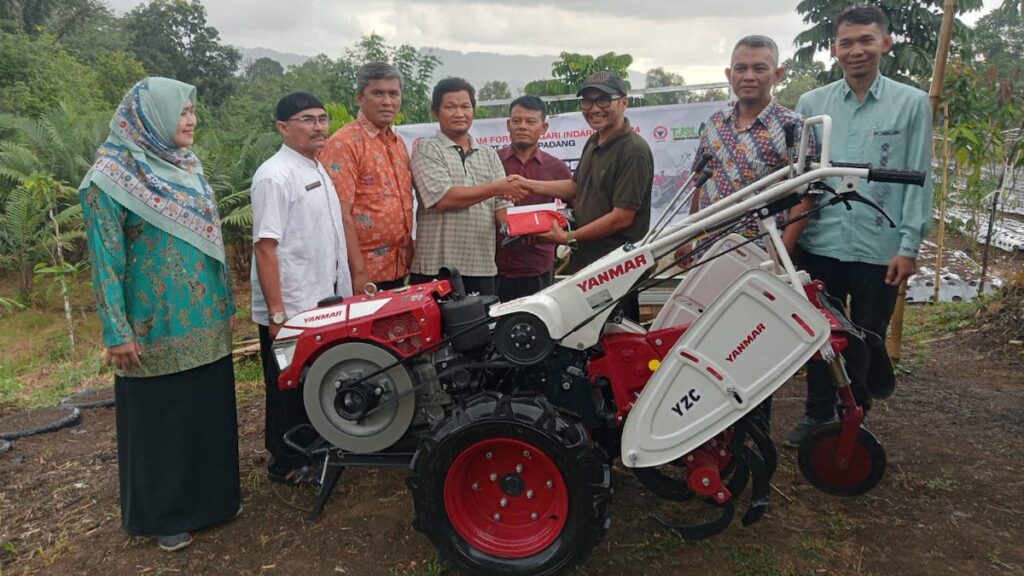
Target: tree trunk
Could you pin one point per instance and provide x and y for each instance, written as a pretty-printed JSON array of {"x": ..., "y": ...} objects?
[{"x": 63, "y": 283}]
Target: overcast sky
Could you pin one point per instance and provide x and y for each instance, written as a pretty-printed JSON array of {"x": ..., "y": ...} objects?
[{"x": 691, "y": 37}]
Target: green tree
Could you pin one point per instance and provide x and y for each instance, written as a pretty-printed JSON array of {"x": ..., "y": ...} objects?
[
  {"x": 171, "y": 38},
  {"x": 90, "y": 31},
  {"x": 494, "y": 90},
  {"x": 36, "y": 72},
  {"x": 984, "y": 106},
  {"x": 800, "y": 77},
  {"x": 659, "y": 78},
  {"x": 263, "y": 71},
  {"x": 26, "y": 15},
  {"x": 999, "y": 36},
  {"x": 417, "y": 71},
  {"x": 38, "y": 221},
  {"x": 60, "y": 143},
  {"x": 569, "y": 71},
  {"x": 915, "y": 28}
]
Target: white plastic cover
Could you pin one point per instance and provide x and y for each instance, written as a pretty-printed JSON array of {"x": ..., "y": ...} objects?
[
  {"x": 738, "y": 352},
  {"x": 699, "y": 288}
]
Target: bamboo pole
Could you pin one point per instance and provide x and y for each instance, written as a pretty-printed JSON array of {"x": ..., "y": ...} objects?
[
  {"x": 941, "y": 55},
  {"x": 895, "y": 341},
  {"x": 942, "y": 201}
]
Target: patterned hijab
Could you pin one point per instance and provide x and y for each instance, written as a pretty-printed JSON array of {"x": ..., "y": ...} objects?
[{"x": 141, "y": 168}]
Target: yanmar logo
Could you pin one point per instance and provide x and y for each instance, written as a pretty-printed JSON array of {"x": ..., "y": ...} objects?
[
  {"x": 322, "y": 317},
  {"x": 758, "y": 330},
  {"x": 612, "y": 273}
]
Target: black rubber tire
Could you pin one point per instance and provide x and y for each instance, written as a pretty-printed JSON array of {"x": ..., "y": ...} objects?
[
  {"x": 91, "y": 398},
  {"x": 535, "y": 421},
  {"x": 68, "y": 415},
  {"x": 5, "y": 445},
  {"x": 869, "y": 461}
]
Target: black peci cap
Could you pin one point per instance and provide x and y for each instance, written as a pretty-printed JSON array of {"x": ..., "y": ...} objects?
[{"x": 296, "y": 102}]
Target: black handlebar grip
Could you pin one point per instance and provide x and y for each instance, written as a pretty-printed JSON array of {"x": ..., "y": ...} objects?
[
  {"x": 914, "y": 177},
  {"x": 789, "y": 130},
  {"x": 703, "y": 161},
  {"x": 703, "y": 178}
]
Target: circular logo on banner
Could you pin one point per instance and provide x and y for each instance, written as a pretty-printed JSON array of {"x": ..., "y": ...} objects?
[{"x": 660, "y": 133}]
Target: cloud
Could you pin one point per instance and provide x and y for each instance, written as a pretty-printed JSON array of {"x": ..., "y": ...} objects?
[
  {"x": 692, "y": 37},
  {"x": 644, "y": 9}
]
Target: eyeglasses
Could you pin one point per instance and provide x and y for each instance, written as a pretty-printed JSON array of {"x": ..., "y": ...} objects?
[
  {"x": 310, "y": 121},
  {"x": 603, "y": 102}
]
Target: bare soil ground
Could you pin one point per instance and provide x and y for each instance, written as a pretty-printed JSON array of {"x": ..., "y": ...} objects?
[{"x": 952, "y": 501}]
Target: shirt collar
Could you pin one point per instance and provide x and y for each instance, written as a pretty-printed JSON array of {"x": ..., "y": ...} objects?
[
  {"x": 762, "y": 116},
  {"x": 372, "y": 130},
  {"x": 510, "y": 152},
  {"x": 449, "y": 143},
  {"x": 295, "y": 156},
  {"x": 875, "y": 90}
]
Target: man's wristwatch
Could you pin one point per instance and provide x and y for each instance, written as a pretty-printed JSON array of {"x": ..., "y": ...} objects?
[
  {"x": 571, "y": 242},
  {"x": 277, "y": 318}
]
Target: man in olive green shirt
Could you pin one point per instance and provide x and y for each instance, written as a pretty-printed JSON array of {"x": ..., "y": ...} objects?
[
  {"x": 612, "y": 184},
  {"x": 887, "y": 124}
]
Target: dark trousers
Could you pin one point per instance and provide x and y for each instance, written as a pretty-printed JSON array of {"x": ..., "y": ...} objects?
[
  {"x": 871, "y": 304},
  {"x": 285, "y": 410},
  {"x": 483, "y": 285},
  {"x": 512, "y": 288}
]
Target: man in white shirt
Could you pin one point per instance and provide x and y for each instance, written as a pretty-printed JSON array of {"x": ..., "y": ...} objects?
[{"x": 299, "y": 258}]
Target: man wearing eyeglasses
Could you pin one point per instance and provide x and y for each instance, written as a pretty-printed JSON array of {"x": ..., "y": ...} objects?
[
  {"x": 299, "y": 258},
  {"x": 611, "y": 188}
]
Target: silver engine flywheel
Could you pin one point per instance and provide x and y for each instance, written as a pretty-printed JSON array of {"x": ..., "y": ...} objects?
[{"x": 350, "y": 362}]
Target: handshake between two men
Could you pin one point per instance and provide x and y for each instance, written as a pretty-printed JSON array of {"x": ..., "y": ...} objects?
[{"x": 518, "y": 189}]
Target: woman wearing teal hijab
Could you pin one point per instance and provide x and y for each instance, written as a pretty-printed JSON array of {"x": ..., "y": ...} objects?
[{"x": 165, "y": 304}]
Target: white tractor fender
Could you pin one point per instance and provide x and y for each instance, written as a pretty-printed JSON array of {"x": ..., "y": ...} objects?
[{"x": 751, "y": 339}]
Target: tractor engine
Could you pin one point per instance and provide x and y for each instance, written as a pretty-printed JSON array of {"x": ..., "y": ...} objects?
[{"x": 373, "y": 367}]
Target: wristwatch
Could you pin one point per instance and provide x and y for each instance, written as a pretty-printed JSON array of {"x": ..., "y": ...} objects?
[
  {"x": 571, "y": 242},
  {"x": 277, "y": 318}
]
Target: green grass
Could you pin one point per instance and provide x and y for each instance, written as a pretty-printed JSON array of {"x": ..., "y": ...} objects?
[
  {"x": 36, "y": 362},
  {"x": 944, "y": 483},
  {"x": 926, "y": 323},
  {"x": 248, "y": 370},
  {"x": 37, "y": 366},
  {"x": 837, "y": 522},
  {"x": 657, "y": 548},
  {"x": 429, "y": 568},
  {"x": 756, "y": 561}
]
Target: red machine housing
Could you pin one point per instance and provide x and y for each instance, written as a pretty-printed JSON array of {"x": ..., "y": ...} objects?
[{"x": 408, "y": 323}]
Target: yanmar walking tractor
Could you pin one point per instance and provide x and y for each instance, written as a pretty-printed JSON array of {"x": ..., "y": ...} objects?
[{"x": 510, "y": 414}]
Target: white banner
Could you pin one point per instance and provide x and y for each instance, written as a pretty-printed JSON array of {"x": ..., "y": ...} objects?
[{"x": 672, "y": 132}]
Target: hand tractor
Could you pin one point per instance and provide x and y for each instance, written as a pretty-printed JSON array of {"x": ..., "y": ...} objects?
[{"x": 509, "y": 414}]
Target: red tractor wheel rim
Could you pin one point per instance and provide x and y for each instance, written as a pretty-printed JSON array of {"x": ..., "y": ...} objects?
[
  {"x": 506, "y": 498},
  {"x": 823, "y": 459}
]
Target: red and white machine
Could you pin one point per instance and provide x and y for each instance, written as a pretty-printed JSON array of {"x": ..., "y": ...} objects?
[{"x": 511, "y": 413}]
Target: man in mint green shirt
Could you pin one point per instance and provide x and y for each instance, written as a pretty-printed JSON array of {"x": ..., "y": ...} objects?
[{"x": 887, "y": 124}]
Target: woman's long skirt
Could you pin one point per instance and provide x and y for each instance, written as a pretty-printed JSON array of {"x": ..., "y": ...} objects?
[{"x": 177, "y": 449}]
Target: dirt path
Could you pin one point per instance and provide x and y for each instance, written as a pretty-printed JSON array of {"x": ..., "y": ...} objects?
[{"x": 952, "y": 502}]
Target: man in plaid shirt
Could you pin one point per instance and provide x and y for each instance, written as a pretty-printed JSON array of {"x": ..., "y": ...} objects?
[{"x": 462, "y": 192}]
